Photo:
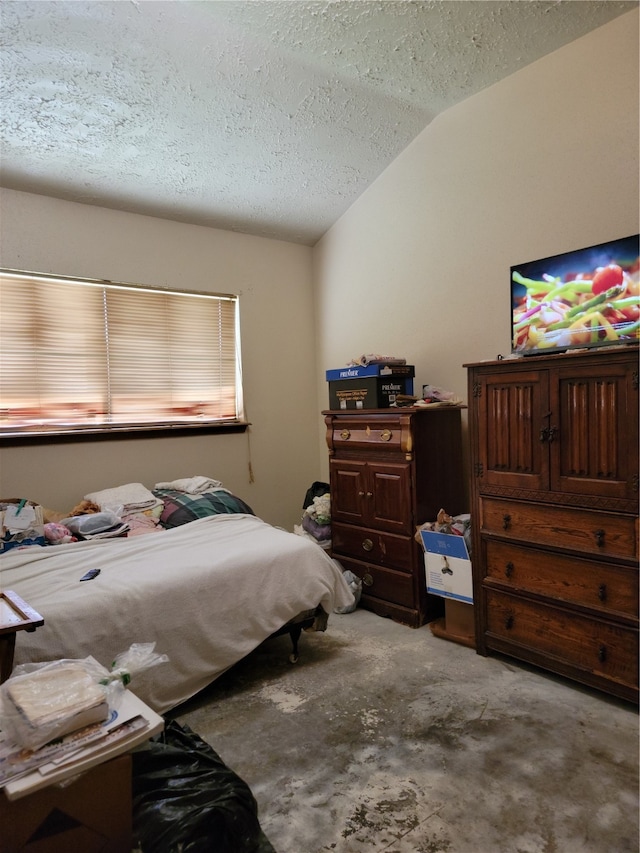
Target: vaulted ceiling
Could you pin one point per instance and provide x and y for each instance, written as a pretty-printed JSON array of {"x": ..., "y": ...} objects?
[{"x": 258, "y": 116}]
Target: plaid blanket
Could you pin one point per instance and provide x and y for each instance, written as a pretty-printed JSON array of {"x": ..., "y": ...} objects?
[{"x": 180, "y": 508}]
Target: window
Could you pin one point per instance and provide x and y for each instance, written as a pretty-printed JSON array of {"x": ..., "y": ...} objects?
[{"x": 92, "y": 356}]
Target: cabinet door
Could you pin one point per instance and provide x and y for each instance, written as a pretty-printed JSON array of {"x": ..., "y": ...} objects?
[
  {"x": 348, "y": 490},
  {"x": 512, "y": 424},
  {"x": 376, "y": 494},
  {"x": 594, "y": 431},
  {"x": 389, "y": 497}
]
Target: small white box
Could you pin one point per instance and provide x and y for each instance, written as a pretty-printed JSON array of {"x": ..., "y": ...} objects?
[{"x": 447, "y": 566}]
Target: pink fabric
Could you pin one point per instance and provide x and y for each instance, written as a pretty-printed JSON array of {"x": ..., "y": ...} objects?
[{"x": 139, "y": 524}]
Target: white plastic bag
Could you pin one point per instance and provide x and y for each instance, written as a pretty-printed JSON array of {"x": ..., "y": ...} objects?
[
  {"x": 43, "y": 701},
  {"x": 89, "y": 525}
]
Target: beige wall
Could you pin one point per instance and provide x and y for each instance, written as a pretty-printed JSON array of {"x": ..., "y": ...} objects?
[
  {"x": 273, "y": 279},
  {"x": 543, "y": 162}
]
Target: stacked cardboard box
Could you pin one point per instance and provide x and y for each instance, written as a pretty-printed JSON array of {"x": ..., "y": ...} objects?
[{"x": 375, "y": 386}]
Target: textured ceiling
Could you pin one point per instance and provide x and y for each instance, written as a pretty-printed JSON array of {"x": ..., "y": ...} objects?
[{"x": 262, "y": 117}]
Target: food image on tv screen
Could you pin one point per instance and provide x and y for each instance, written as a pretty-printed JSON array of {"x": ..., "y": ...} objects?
[{"x": 586, "y": 298}]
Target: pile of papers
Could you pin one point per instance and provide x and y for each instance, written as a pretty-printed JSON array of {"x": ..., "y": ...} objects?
[
  {"x": 63, "y": 717},
  {"x": 25, "y": 770},
  {"x": 53, "y": 701}
]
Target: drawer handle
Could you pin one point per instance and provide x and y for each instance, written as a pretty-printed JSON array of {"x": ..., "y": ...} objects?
[
  {"x": 360, "y": 494},
  {"x": 602, "y": 654},
  {"x": 599, "y": 534},
  {"x": 367, "y": 580},
  {"x": 506, "y": 521},
  {"x": 508, "y": 569},
  {"x": 602, "y": 592},
  {"x": 367, "y": 545},
  {"x": 508, "y": 622},
  {"x": 386, "y": 434},
  {"x": 369, "y": 494},
  {"x": 345, "y": 434}
]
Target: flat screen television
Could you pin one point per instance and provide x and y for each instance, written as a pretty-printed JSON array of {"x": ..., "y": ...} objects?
[{"x": 584, "y": 298}]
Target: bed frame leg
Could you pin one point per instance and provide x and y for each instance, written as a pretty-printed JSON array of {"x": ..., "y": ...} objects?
[{"x": 295, "y": 633}]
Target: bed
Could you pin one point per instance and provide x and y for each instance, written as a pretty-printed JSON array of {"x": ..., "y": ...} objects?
[{"x": 206, "y": 591}]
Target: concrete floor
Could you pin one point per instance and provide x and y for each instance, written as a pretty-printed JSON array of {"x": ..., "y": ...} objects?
[{"x": 386, "y": 738}]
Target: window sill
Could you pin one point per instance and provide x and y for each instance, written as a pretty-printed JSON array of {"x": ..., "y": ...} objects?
[{"x": 118, "y": 433}]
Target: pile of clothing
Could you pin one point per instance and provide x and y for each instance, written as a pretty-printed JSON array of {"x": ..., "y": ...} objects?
[
  {"x": 316, "y": 516},
  {"x": 316, "y": 519},
  {"x": 127, "y": 510}
]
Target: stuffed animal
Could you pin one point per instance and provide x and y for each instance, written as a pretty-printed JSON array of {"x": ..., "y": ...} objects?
[
  {"x": 58, "y": 534},
  {"x": 84, "y": 508}
]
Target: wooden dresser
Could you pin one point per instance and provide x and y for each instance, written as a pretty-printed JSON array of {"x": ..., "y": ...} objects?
[
  {"x": 554, "y": 469},
  {"x": 390, "y": 471}
]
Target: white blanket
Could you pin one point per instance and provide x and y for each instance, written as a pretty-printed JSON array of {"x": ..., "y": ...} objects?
[
  {"x": 131, "y": 496},
  {"x": 207, "y": 593},
  {"x": 192, "y": 485}
]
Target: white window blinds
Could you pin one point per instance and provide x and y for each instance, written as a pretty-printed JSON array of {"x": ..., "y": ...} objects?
[{"x": 92, "y": 356}]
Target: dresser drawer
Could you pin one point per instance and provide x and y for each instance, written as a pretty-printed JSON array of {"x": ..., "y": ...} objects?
[
  {"x": 611, "y": 589},
  {"x": 563, "y": 527},
  {"x": 386, "y": 584},
  {"x": 384, "y": 549},
  {"x": 373, "y": 433},
  {"x": 596, "y": 647}
]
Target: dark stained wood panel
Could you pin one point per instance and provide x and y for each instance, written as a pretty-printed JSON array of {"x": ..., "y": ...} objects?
[
  {"x": 390, "y": 471},
  {"x": 554, "y": 485}
]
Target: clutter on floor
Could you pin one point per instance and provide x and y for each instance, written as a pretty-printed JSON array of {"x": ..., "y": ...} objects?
[
  {"x": 390, "y": 739},
  {"x": 186, "y": 798}
]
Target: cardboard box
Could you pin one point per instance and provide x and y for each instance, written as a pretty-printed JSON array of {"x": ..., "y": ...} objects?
[
  {"x": 459, "y": 618},
  {"x": 407, "y": 371},
  {"x": 372, "y": 392},
  {"x": 457, "y": 625},
  {"x": 92, "y": 813},
  {"x": 447, "y": 566}
]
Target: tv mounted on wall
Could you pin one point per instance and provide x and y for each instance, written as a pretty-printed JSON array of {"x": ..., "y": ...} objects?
[{"x": 584, "y": 298}]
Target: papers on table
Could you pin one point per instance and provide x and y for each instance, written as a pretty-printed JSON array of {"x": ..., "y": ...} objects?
[{"x": 25, "y": 771}]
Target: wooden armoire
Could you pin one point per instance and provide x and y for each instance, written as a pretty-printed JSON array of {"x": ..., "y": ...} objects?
[{"x": 554, "y": 470}]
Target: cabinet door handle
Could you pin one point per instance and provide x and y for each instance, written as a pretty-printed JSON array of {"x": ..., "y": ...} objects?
[
  {"x": 369, "y": 494},
  {"x": 508, "y": 569},
  {"x": 548, "y": 433},
  {"x": 599, "y": 534},
  {"x": 602, "y": 653},
  {"x": 367, "y": 545},
  {"x": 602, "y": 592},
  {"x": 367, "y": 580},
  {"x": 506, "y": 521},
  {"x": 360, "y": 494}
]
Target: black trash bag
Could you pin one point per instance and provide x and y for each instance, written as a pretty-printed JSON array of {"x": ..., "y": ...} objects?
[
  {"x": 186, "y": 799},
  {"x": 315, "y": 490}
]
